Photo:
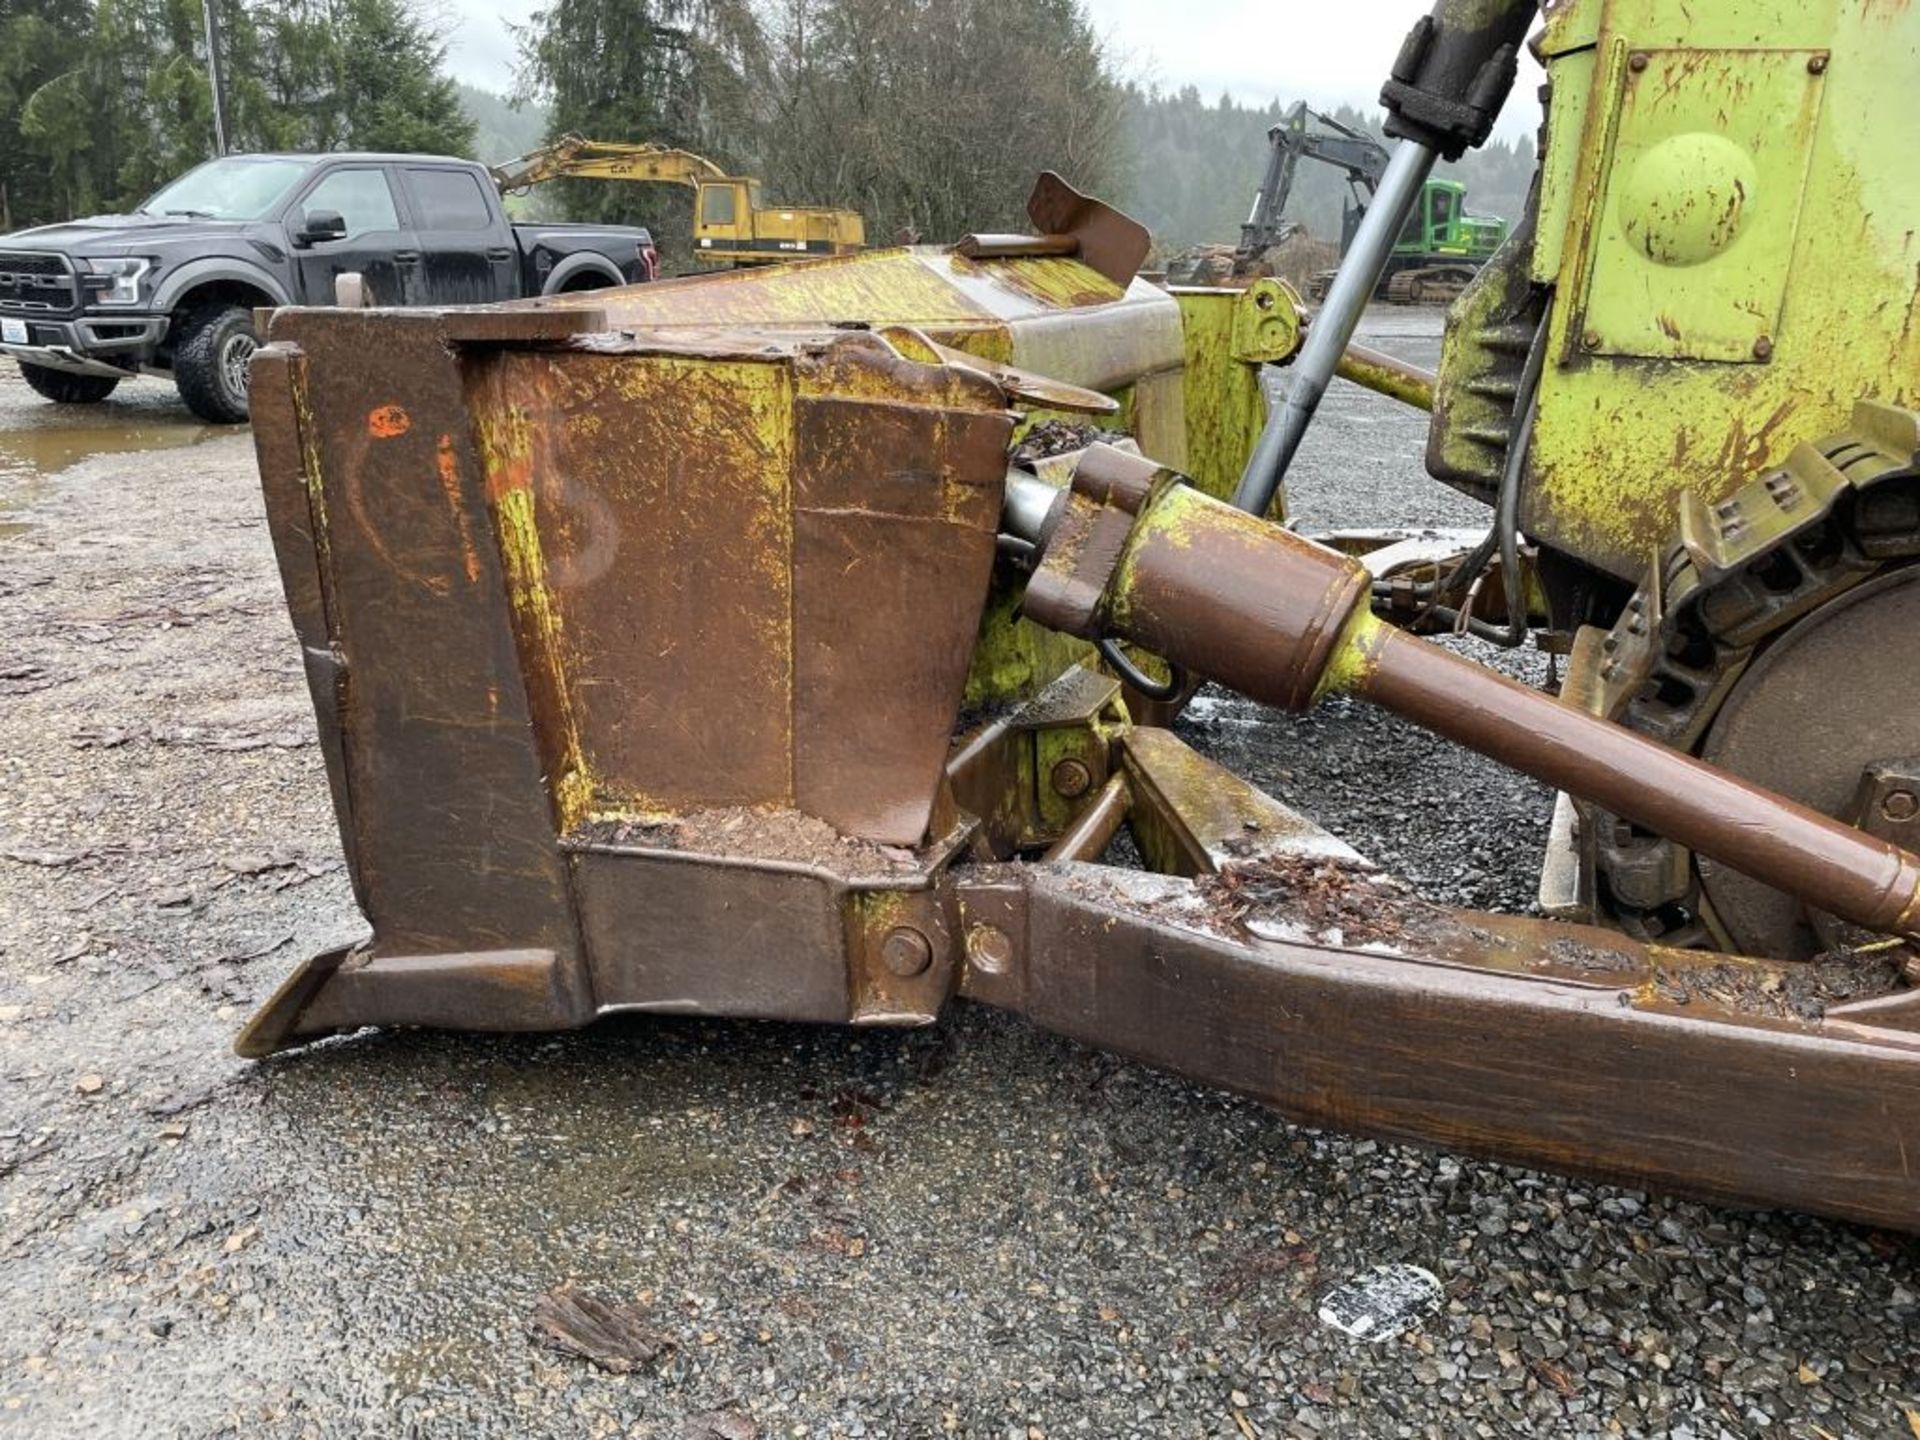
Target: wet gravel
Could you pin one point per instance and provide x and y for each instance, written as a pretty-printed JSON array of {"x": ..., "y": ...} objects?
[
  {"x": 975, "y": 1230},
  {"x": 1465, "y": 830}
]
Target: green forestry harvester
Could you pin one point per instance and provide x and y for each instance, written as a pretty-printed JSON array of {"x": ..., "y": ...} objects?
[{"x": 1437, "y": 250}]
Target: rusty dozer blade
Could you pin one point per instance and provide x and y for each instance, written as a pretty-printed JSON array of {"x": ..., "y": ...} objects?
[{"x": 679, "y": 665}]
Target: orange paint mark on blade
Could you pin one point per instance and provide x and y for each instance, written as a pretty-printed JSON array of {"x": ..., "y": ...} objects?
[
  {"x": 449, "y": 464},
  {"x": 388, "y": 421},
  {"x": 511, "y": 471}
]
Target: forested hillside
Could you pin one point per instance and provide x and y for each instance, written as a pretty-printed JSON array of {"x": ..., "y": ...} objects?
[
  {"x": 501, "y": 129},
  {"x": 928, "y": 114}
]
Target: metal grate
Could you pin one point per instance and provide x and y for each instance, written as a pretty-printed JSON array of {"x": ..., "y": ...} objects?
[
  {"x": 27, "y": 262},
  {"x": 36, "y": 281}
]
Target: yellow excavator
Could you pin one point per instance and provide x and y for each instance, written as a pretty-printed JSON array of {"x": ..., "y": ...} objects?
[{"x": 730, "y": 224}]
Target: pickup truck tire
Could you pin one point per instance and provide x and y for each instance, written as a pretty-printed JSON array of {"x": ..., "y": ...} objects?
[
  {"x": 63, "y": 387},
  {"x": 210, "y": 356}
]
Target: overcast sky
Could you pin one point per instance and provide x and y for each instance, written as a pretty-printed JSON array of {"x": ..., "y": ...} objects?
[{"x": 1322, "y": 51}]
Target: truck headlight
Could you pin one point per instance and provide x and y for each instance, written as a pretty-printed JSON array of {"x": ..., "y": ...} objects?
[{"x": 116, "y": 281}]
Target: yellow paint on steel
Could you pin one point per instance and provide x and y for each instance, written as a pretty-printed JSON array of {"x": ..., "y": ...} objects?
[
  {"x": 1356, "y": 655},
  {"x": 1690, "y": 352},
  {"x": 1051, "y": 315},
  {"x": 1220, "y": 392},
  {"x": 1387, "y": 376}
]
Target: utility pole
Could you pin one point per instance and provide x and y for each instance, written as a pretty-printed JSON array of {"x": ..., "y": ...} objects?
[{"x": 215, "y": 78}]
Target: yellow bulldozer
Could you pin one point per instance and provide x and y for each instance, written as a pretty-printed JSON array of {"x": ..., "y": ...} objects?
[
  {"x": 737, "y": 647},
  {"x": 731, "y": 225}
]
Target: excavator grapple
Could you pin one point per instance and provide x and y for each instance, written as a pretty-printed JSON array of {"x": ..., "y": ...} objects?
[{"x": 795, "y": 642}]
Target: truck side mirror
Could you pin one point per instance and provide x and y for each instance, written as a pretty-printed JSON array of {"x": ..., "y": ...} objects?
[{"x": 318, "y": 225}]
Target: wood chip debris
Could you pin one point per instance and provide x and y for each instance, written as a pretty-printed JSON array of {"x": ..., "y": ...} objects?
[
  {"x": 611, "y": 1335},
  {"x": 225, "y": 739},
  {"x": 720, "y": 1425}
]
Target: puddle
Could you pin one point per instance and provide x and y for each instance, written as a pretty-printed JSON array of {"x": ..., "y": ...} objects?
[
  {"x": 39, "y": 439},
  {"x": 16, "y": 493}
]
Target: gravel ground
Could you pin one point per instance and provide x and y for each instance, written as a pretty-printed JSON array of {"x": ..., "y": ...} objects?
[{"x": 975, "y": 1230}]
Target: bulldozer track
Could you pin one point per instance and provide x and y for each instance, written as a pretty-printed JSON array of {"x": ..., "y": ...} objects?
[
  {"x": 1433, "y": 285},
  {"x": 1735, "y": 578}
]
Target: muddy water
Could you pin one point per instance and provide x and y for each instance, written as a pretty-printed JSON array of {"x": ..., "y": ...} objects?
[{"x": 39, "y": 438}]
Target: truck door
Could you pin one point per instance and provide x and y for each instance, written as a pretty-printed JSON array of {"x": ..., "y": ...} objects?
[
  {"x": 467, "y": 254},
  {"x": 374, "y": 245}
]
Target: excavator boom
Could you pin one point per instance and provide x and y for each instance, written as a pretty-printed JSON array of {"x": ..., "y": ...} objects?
[
  {"x": 1434, "y": 255},
  {"x": 577, "y": 158},
  {"x": 1363, "y": 158}
]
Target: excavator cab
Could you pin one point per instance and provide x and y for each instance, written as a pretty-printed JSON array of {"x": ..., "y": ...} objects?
[
  {"x": 1443, "y": 225},
  {"x": 733, "y": 226},
  {"x": 723, "y": 216}
]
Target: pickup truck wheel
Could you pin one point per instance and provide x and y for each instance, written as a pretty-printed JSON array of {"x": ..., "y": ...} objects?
[
  {"x": 66, "y": 388},
  {"x": 210, "y": 357}
]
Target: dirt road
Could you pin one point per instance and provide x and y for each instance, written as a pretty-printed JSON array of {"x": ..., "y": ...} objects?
[{"x": 976, "y": 1230}]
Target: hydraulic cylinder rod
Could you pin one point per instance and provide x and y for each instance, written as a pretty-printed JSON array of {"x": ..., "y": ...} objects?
[
  {"x": 1333, "y": 327},
  {"x": 1387, "y": 375},
  {"x": 1446, "y": 87},
  {"x": 1134, "y": 554}
]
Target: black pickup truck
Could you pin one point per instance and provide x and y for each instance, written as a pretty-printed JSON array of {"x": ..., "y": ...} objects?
[{"x": 174, "y": 285}]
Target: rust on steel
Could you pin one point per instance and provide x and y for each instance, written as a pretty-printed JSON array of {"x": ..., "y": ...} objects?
[
  {"x": 1003, "y": 247},
  {"x": 1105, "y": 239},
  {"x": 1777, "y": 841},
  {"x": 1387, "y": 375},
  {"x": 1592, "y": 1072},
  {"x": 560, "y": 651},
  {"x": 1267, "y": 624},
  {"x": 1283, "y": 620},
  {"x": 666, "y": 658},
  {"x": 1088, "y": 837}
]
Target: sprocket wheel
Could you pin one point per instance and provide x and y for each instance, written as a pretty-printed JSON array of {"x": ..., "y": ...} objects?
[
  {"x": 1831, "y": 694},
  {"x": 1774, "y": 640}
]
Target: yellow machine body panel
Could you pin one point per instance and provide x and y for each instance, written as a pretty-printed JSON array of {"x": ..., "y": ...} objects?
[
  {"x": 731, "y": 224},
  {"x": 1050, "y": 315},
  {"x": 1729, "y": 219}
]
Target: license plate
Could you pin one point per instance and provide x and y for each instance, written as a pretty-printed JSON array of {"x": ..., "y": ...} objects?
[{"x": 13, "y": 332}]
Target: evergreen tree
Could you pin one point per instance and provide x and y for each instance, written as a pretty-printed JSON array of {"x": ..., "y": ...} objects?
[
  {"x": 671, "y": 72},
  {"x": 1196, "y": 165},
  {"x": 104, "y": 101},
  {"x": 39, "y": 41},
  {"x": 936, "y": 115},
  {"x": 502, "y": 129}
]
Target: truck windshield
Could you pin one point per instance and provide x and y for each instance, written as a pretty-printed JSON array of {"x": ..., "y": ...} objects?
[{"x": 236, "y": 188}]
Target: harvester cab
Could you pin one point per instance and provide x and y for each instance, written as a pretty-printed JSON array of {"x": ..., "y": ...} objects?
[{"x": 794, "y": 642}]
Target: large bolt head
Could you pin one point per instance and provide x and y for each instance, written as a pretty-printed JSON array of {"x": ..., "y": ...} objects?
[
  {"x": 1071, "y": 778},
  {"x": 1900, "y": 804},
  {"x": 990, "y": 949},
  {"x": 906, "y": 952}
]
